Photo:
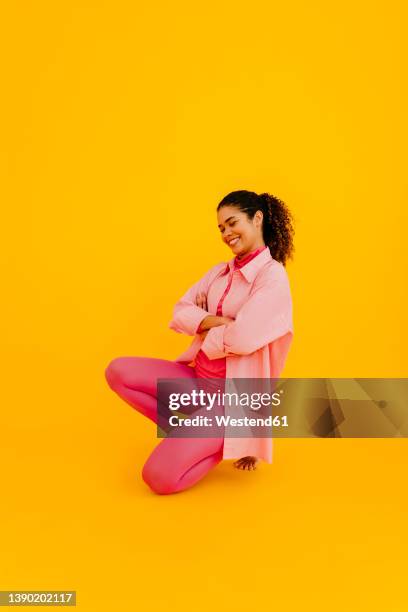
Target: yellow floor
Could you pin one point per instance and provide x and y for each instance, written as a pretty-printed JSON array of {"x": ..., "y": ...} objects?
[{"x": 323, "y": 527}]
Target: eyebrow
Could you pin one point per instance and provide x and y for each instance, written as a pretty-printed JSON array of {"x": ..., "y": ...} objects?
[{"x": 219, "y": 225}]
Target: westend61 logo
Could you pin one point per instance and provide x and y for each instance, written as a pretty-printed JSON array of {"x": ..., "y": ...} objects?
[
  {"x": 218, "y": 407},
  {"x": 211, "y": 401},
  {"x": 285, "y": 407}
]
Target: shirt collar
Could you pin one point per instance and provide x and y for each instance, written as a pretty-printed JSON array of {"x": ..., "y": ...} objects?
[{"x": 250, "y": 270}]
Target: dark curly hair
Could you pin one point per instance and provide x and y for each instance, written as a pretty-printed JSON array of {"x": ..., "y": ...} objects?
[{"x": 277, "y": 225}]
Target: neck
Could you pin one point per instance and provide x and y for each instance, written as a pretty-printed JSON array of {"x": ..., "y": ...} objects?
[{"x": 251, "y": 250}]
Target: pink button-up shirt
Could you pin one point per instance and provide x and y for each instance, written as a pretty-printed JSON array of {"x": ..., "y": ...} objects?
[
  {"x": 217, "y": 368},
  {"x": 256, "y": 343}
]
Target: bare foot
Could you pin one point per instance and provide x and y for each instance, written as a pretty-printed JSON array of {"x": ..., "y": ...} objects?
[{"x": 246, "y": 463}]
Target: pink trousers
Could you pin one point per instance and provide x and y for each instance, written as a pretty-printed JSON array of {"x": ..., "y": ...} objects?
[{"x": 176, "y": 463}]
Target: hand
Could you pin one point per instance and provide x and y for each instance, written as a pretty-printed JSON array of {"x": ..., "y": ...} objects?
[
  {"x": 246, "y": 463},
  {"x": 201, "y": 301},
  {"x": 203, "y": 334},
  {"x": 226, "y": 320},
  {"x": 215, "y": 323}
]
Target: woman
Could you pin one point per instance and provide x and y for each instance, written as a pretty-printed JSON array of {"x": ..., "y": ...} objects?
[{"x": 240, "y": 314}]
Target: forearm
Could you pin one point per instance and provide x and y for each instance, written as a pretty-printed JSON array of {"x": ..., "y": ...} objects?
[{"x": 212, "y": 321}]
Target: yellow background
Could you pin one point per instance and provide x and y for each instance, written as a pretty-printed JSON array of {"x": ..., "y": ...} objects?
[{"x": 123, "y": 125}]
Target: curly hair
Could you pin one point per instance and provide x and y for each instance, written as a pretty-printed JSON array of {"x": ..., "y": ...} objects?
[{"x": 277, "y": 225}]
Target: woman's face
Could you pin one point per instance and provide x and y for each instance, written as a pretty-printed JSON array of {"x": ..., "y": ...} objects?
[{"x": 238, "y": 231}]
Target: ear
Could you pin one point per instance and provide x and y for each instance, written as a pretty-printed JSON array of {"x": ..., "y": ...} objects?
[{"x": 258, "y": 218}]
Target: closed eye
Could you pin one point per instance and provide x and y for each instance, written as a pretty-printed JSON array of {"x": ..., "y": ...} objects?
[{"x": 231, "y": 224}]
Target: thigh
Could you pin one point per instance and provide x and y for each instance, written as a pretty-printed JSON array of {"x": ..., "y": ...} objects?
[{"x": 141, "y": 373}]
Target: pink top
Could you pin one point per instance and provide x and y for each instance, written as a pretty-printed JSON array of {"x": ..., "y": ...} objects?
[
  {"x": 257, "y": 342},
  {"x": 216, "y": 368}
]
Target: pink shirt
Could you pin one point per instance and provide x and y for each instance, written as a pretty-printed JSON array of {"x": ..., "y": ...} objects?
[
  {"x": 256, "y": 343},
  {"x": 216, "y": 368}
]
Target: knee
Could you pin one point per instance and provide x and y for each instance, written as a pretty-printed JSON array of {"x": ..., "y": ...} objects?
[
  {"x": 156, "y": 479},
  {"x": 113, "y": 372}
]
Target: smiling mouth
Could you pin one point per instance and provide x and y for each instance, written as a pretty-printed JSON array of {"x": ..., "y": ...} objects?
[{"x": 233, "y": 241}]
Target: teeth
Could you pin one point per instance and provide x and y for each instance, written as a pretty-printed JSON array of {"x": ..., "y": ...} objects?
[{"x": 234, "y": 241}]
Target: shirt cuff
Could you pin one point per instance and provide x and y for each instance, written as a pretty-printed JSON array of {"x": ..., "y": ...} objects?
[
  {"x": 213, "y": 344},
  {"x": 188, "y": 319},
  {"x": 198, "y": 331}
]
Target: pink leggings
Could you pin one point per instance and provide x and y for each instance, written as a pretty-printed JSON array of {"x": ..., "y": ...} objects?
[{"x": 176, "y": 463}]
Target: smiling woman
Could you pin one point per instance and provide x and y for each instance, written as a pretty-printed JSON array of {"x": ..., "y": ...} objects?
[
  {"x": 238, "y": 232},
  {"x": 240, "y": 314},
  {"x": 248, "y": 221}
]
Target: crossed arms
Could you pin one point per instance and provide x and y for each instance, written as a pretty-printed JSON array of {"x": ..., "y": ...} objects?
[{"x": 264, "y": 316}]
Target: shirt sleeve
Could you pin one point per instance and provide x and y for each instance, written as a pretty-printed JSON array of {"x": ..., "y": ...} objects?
[
  {"x": 187, "y": 316},
  {"x": 264, "y": 317}
]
